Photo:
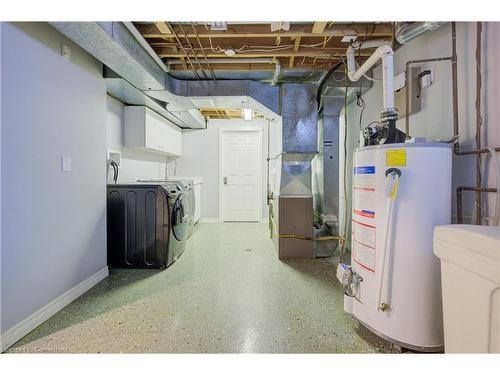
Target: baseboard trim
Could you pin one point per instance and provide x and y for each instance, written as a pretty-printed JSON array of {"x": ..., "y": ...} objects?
[
  {"x": 209, "y": 220},
  {"x": 21, "y": 329}
]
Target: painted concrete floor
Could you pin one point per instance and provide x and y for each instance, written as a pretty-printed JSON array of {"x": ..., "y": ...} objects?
[{"x": 227, "y": 293}]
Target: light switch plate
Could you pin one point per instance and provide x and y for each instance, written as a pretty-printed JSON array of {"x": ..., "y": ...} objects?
[{"x": 66, "y": 164}]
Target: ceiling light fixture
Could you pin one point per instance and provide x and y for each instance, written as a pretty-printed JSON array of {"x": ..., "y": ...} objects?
[
  {"x": 218, "y": 26},
  {"x": 229, "y": 52},
  {"x": 247, "y": 114}
]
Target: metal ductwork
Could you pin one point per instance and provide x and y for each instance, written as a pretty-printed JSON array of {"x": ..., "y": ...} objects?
[
  {"x": 326, "y": 169},
  {"x": 406, "y": 31},
  {"x": 300, "y": 131},
  {"x": 126, "y": 57}
]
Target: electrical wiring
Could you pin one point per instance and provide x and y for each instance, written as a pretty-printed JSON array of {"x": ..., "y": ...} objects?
[
  {"x": 324, "y": 80},
  {"x": 360, "y": 102},
  {"x": 258, "y": 48}
]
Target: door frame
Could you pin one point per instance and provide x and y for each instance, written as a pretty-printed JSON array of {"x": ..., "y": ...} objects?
[{"x": 221, "y": 167}]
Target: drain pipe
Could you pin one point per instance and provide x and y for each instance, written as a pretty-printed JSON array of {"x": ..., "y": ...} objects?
[{"x": 389, "y": 114}]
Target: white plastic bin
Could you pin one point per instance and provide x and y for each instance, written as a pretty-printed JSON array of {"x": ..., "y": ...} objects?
[{"x": 470, "y": 278}]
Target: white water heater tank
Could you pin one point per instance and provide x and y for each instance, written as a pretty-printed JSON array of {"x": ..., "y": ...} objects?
[{"x": 400, "y": 193}]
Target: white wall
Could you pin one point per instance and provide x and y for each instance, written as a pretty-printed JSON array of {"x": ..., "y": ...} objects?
[
  {"x": 435, "y": 119},
  {"x": 201, "y": 159},
  {"x": 135, "y": 164},
  {"x": 53, "y": 227}
]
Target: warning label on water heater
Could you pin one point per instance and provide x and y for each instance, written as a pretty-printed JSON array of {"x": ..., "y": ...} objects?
[{"x": 363, "y": 217}]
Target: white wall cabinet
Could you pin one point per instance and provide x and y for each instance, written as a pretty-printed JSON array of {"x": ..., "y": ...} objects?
[{"x": 147, "y": 130}]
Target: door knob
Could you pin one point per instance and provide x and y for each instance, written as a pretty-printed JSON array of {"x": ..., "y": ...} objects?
[{"x": 225, "y": 180}]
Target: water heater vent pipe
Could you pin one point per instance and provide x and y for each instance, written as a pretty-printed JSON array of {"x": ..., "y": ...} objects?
[{"x": 384, "y": 53}]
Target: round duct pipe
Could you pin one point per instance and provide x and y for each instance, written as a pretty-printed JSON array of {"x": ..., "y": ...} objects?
[{"x": 406, "y": 31}]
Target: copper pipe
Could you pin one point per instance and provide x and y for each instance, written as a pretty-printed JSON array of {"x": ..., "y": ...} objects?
[
  {"x": 454, "y": 81},
  {"x": 474, "y": 152},
  {"x": 479, "y": 121},
  {"x": 454, "y": 84},
  {"x": 460, "y": 189}
]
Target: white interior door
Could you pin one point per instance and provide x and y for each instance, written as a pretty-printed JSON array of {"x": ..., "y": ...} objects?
[{"x": 240, "y": 174}]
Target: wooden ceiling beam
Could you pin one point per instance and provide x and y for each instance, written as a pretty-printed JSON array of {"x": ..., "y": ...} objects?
[
  {"x": 326, "y": 53},
  {"x": 296, "y": 47},
  {"x": 263, "y": 30},
  {"x": 259, "y": 29},
  {"x": 286, "y": 34},
  {"x": 319, "y": 27},
  {"x": 164, "y": 28},
  {"x": 256, "y": 67}
]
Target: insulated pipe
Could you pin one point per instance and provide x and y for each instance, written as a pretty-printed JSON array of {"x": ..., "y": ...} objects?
[
  {"x": 385, "y": 54},
  {"x": 407, "y": 32}
]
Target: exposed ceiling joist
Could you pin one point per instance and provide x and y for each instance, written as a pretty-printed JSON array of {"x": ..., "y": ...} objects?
[
  {"x": 164, "y": 28},
  {"x": 319, "y": 53},
  {"x": 304, "y": 46},
  {"x": 295, "y": 49},
  {"x": 319, "y": 27},
  {"x": 260, "y": 30}
]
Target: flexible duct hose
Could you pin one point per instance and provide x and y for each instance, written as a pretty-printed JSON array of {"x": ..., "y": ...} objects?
[{"x": 392, "y": 175}]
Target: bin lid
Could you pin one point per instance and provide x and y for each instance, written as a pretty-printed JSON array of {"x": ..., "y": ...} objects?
[{"x": 483, "y": 240}]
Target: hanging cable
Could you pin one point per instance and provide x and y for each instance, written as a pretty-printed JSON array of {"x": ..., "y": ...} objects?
[
  {"x": 360, "y": 102},
  {"x": 322, "y": 83}
]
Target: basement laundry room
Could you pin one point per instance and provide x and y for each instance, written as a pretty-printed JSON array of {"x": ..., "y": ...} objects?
[{"x": 181, "y": 186}]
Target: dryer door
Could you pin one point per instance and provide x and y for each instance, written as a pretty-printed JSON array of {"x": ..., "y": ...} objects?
[{"x": 179, "y": 219}]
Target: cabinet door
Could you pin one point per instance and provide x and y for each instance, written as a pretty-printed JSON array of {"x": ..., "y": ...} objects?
[
  {"x": 155, "y": 134},
  {"x": 162, "y": 136}
]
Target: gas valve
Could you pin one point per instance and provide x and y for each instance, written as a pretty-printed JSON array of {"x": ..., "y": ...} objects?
[{"x": 349, "y": 279}]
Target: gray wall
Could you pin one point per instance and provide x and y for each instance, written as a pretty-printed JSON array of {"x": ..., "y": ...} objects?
[
  {"x": 435, "y": 119},
  {"x": 53, "y": 227}
]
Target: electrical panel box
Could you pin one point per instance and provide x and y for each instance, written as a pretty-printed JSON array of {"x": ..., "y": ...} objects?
[{"x": 412, "y": 84}]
